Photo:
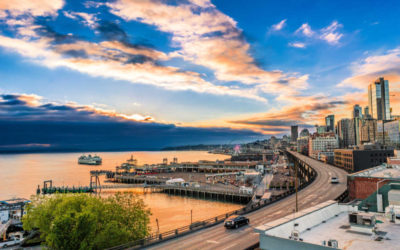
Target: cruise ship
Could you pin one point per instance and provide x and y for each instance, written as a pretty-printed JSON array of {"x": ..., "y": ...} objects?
[{"x": 89, "y": 160}]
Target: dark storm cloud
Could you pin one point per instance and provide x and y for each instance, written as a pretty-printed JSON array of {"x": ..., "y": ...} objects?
[
  {"x": 65, "y": 127},
  {"x": 46, "y": 31},
  {"x": 138, "y": 59},
  {"x": 112, "y": 31}
]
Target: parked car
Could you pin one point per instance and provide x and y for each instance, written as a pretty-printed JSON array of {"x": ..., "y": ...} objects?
[{"x": 236, "y": 221}]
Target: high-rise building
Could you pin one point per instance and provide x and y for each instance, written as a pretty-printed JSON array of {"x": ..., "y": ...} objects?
[
  {"x": 345, "y": 132},
  {"x": 357, "y": 111},
  {"x": 354, "y": 131},
  {"x": 330, "y": 123},
  {"x": 391, "y": 133},
  {"x": 378, "y": 99},
  {"x": 295, "y": 133},
  {"x": 368, "y": 130},
  {"x": 321, "y": 129},
  {"x": 366, "y": 113}
]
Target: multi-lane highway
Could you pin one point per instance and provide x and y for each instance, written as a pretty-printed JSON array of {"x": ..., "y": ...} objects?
[{"x": 218, "y": 237}]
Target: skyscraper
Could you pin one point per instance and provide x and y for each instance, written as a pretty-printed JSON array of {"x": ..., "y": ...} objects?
[
  {"x": 378, "y": 99},
  {"x": 366, "y": 113},
  {"x": 357, "y": 111},
  {"x": 330, "y": 123},
  {"x": 295, "y": 133},
  {"x": 345, "y": 131}
]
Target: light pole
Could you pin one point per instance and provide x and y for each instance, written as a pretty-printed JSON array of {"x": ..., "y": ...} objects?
[{"x": 377, "y": 195}]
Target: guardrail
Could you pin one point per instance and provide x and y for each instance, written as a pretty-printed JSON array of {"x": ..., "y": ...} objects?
[{"x": 157, "y": 238}]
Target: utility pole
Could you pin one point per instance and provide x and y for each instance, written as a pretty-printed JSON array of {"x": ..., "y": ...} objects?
[{"x": 158, "y": 227}]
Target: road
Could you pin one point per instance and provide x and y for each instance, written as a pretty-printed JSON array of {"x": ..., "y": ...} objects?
[{"x": 218, "y": 237}]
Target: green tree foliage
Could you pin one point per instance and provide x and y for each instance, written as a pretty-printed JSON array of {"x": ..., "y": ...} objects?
[{"x": 82, "y": 221}]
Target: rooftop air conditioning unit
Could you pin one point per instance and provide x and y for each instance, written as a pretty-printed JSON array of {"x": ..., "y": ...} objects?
[{"x": 333, "y": 243}]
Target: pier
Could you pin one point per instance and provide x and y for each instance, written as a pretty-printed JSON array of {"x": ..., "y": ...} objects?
[{"x": 207, "y": 193}]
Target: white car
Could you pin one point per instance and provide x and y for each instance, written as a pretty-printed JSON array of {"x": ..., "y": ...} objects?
[
  {"x": 334, "y": 180},
  {"x": 9, "y": 243}
]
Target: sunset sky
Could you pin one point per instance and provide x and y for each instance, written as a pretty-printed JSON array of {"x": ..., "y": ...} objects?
[{"x": 202, "y": 70}]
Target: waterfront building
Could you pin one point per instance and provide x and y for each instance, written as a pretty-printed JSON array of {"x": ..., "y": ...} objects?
[
  {"x": 357, "y": 111},
  {"x": 294, "y": 133},
  {"x": 330, "y": 123},
  {"x": 319, "y": 143},
  {"x": 378, "y": 99},
  {"x": 12, "y": 209},
  {"x": 360, "y": 158}
]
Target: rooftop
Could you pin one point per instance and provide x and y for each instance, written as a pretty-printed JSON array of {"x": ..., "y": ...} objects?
[
  {"x": 382, "y": 171},
  {"x": 338, "y": 228},
  {"x": 327, "y": 221},
  {"x": 14, "y": 201}
]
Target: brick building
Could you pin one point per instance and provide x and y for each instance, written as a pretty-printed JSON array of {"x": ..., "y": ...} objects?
[
  {"x": 361, "y": 158},
  {"x": 364, "y": 183}
]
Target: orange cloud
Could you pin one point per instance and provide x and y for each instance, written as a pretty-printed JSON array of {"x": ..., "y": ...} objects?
[{"x": 35, "y": 8}]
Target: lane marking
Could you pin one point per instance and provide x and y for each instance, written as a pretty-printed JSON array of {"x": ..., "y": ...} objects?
[{"x": 212, "y": 241}]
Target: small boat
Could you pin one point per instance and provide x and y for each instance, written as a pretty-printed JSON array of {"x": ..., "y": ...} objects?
[{"x": 89, "y": 160}]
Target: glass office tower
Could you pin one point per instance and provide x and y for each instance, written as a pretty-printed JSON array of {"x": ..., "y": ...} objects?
[{"x": 378, "y": 99}]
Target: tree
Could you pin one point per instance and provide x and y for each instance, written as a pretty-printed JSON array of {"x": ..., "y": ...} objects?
[{"x": 82, "y": 221}]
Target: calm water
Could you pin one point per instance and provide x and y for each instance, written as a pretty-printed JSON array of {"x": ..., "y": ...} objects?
[{"x": 21, "y": 173}]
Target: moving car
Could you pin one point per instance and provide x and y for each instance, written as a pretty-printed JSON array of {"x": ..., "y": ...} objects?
[
  {"x": 236, "y": 221},
  {"x": 334, "y": 180}
]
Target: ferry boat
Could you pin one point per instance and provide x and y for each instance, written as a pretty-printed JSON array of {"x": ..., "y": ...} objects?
[{"x": 89, "y": 160}]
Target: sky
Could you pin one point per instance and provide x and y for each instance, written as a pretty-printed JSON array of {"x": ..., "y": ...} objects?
[{"x": 171, "y": 72}]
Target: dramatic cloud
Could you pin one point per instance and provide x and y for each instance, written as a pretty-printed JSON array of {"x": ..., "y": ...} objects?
[
  {"x": 27, "y": 123},
  {"x": 22, "y": 107},
  {"x": 204, "y": 36},
  {"x": 201, "y": 35},
  {"x": 279, "y": 25},
  {"x": 297, "y": 45},
  {"x": 115, "y": 58}
]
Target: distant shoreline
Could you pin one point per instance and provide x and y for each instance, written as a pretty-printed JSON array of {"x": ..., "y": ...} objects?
[{"x": 88, "y": 151}]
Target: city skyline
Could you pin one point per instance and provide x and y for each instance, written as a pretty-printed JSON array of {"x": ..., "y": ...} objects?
[{"x": 198, "y": 67}]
